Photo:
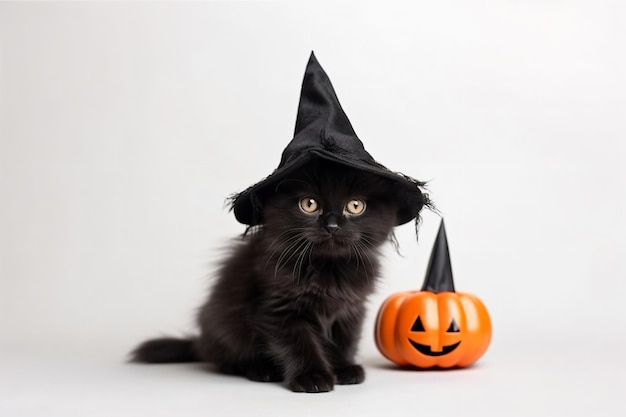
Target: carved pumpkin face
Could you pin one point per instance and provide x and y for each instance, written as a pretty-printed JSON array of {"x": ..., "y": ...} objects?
[
  {"x": 427, "y": 350},
  {"x": 435, "y": 327},
  {"x": 426, "y": 329}
]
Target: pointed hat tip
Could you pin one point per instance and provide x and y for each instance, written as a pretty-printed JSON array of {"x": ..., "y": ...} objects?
[
  {"x": 313, "y": 60},
  {"x": 442, "y": 229},
  {"x": 439, "y": 272}
]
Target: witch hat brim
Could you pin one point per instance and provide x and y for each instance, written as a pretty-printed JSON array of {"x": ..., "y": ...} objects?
[{"x": 324, "y": 131}]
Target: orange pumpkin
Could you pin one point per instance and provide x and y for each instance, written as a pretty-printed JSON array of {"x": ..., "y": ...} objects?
[{"x": 434, "y": 327}]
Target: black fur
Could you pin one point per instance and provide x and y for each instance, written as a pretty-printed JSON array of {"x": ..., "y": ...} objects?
[
  {"x": 166, "y": 350},
  {"x": 288, "y": 303}
]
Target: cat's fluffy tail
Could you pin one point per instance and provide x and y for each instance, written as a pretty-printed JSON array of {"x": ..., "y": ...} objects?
[{"x": 166, "y": 350}]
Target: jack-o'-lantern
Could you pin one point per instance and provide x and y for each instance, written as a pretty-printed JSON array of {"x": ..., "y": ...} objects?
[{"x": 437, "y": 326}]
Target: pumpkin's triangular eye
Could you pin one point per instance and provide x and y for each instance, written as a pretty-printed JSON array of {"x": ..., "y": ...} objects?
[
  {"x": 418, "y": 326},
  {"x": 454, "y": 328}
]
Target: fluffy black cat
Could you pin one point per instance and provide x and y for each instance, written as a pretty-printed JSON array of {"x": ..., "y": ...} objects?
[{"x": 288, "y": 303}]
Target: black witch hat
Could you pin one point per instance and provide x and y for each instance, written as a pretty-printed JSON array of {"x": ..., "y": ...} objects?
[{"x": 323, "y": 131}]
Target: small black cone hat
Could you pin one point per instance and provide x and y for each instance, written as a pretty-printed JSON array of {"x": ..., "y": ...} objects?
[
  {"x": 439, "y": 272},
  {"x": 323, "y": 131}
]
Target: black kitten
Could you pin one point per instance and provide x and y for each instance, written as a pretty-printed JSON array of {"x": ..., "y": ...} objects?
[{"x": 289, "y": 301}]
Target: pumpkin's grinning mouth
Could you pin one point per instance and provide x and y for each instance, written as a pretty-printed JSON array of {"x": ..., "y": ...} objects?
[{"x": 425, "y": 349}]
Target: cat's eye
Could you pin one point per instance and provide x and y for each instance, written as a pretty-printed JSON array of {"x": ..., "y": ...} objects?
[
  {"x": 355, "y": 207},
  {"x": 308, "y": 205}
]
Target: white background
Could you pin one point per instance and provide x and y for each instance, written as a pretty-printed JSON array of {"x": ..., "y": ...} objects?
[{"x": 124, "y": 127}]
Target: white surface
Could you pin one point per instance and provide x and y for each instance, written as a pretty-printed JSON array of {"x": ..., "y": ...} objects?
[
  {"x": 550, "y": 377},
  {"x": 123, "y": 127}
]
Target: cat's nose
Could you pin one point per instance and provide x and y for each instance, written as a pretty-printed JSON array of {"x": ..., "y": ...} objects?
[
  {"x": 330, "y": 224},
  {"x": 332, "y": 227}
]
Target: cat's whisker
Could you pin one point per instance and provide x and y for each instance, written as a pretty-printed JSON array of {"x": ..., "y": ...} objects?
[
  {"x": 300, "y": 262},
  {"x": 311, "y": 252},
  {"x": 294, "y": 249},
  {"x": 296, "y": 277},
  {"x": 297, "y": 272},
  {"x": 283, "y": 254},
  {"x": 309, "y": 249},
  {"x": 349, "y": 254},
  {"x": 363, "y": 253},
  {"x": 287, "y": 242},
  {"x": 295, "y": 231},
  {"x": 368, "y": 239},
  {"x": 356, "y": 255}
]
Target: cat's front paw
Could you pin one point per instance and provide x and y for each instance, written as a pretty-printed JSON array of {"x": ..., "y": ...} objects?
[
  {"x": 312, "y": 382},
  {"x": 351, "y": 374}
]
